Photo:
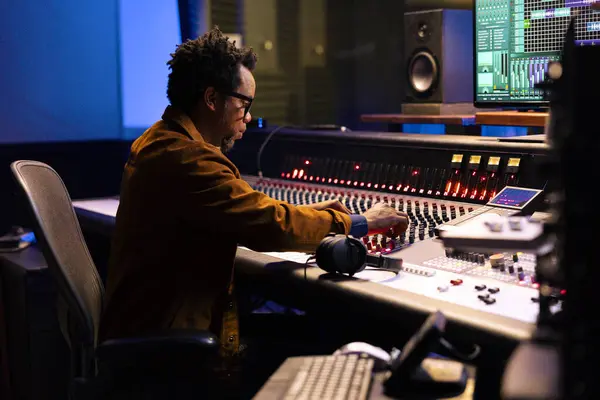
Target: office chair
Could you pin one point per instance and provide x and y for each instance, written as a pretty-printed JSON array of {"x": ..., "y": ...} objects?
[{"x": 99, "y": 368}]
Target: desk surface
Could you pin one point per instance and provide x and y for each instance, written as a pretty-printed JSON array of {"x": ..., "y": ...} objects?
[{"x": 511, "y": 118}]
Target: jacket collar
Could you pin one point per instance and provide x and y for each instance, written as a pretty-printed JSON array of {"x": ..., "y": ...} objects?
[{"x": 172, "y": 114}]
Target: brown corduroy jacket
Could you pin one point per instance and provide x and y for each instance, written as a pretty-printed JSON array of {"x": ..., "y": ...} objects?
[{"x": 183, "y": 211}]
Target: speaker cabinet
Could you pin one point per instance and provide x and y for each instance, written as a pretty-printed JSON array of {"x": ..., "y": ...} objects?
[{"x": 439, "y": 56}]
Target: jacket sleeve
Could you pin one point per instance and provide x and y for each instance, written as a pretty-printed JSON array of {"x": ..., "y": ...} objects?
[{"x": 215, "y": 196}]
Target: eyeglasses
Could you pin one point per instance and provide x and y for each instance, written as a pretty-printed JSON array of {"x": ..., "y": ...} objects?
[{"x": 242, "y": 97}]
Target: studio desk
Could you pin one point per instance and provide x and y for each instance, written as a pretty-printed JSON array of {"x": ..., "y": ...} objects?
[{"x": 435, "y": 179}]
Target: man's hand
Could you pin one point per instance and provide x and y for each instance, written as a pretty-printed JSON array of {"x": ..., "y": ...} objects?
[
  {"x": 381, "y": 218},
  {"x": 333, "y": 204}
]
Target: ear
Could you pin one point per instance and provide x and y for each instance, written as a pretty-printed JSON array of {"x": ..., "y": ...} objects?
[{"x": 210, "y": 98}]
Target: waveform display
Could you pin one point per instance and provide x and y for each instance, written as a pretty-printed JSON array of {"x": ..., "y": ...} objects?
[
  {"x": 551, "y": 13},
  {"x": 592, "y": 26},
  {"x": 579, "y": 3}
]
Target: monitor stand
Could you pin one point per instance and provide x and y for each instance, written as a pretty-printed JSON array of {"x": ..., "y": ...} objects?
[{"x": 521, "y": 117}]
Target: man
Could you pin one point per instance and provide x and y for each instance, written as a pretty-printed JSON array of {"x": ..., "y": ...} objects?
[{"x": 184, "y": 208}]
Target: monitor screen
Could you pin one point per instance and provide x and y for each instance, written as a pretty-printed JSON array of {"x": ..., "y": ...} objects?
[
  {"x": 514, "y": 197},
  {"x": 516, "y": 39}
]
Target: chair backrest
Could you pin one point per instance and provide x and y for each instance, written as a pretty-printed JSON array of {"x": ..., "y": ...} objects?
[{"x": 60, "y": 238}]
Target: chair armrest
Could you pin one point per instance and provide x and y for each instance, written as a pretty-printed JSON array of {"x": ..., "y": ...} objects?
[{"x": 172, "y": 345}]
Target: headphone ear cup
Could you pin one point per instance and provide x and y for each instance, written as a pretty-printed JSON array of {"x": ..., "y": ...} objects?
[
  {"x": 341, "y": 254},
  {"x": 356, "y": 256}
]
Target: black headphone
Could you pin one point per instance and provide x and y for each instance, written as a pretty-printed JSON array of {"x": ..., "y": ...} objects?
[{"x": 341, "y": 254}]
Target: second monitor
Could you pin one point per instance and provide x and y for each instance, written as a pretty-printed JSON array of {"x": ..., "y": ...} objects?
[{"x": 515, "y": 40}]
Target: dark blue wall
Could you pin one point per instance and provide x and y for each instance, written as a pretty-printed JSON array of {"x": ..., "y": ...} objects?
[
  {"x": 76, "y": 78},
  {"x": 149, "y": 32},
  {"x": 59, "y": 77}
]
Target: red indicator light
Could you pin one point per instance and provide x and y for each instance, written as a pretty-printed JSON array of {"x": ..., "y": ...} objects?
[
  {"x": 307, "y": 162},
  {"x": 357, "y": 167}
]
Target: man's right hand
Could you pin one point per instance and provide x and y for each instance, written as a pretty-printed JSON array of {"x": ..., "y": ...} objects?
[{"x": 381, "y": 218}]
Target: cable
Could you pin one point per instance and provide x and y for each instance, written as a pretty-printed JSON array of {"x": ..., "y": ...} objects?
[
  {"x": 463, "y": 357},
  {"x": 262, "y": 147},
  {"x": 312, "y": 258}
]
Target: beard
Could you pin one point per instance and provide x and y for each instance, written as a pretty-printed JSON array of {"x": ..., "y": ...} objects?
[{"x": 227, "y": 144}]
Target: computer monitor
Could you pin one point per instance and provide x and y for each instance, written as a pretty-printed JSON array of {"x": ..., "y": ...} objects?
[{"x": 514, "y": 42}]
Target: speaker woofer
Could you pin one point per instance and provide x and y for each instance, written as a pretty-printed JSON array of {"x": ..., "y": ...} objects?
[{"x": 423, "y": 73}]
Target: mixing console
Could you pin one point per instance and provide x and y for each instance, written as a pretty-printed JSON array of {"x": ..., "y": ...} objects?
[
  {"x": 436, "y": 181},
  {"x": 518, "y": 268},
  {"x": 424, "y": 214}
]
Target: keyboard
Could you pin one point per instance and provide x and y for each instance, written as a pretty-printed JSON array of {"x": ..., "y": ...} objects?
[{"x": 332, "y": 377}]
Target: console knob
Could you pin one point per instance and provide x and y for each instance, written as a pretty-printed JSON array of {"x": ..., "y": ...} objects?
[{"x": 496, "y": 260}]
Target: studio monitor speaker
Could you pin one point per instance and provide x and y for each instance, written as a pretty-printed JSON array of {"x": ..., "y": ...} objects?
[{"x": 439, "y": 56}]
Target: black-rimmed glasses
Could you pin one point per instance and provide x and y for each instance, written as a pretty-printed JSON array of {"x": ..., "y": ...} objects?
[{"x": 242, "y": 97}]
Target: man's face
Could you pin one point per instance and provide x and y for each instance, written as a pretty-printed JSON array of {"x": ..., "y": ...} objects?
[{"x": 235, "y": 113}]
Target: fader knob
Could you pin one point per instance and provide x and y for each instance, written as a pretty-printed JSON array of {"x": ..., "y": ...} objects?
[{"x": 496, "y": 260}]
